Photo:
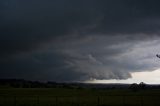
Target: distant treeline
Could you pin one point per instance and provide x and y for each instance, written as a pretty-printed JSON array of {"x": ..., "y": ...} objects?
[{"x": 21, "y": 83}]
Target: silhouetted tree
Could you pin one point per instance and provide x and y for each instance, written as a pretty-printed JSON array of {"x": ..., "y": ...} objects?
[
  {"x": 142, "y": 85},
  {"x": 134, "y": 87}
]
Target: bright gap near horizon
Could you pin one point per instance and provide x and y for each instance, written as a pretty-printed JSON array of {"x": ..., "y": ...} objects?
[{"x": 137, "y": 77}]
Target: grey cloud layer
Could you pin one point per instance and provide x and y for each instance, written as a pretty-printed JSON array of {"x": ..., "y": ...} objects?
[{"x": 70, "y": 40}]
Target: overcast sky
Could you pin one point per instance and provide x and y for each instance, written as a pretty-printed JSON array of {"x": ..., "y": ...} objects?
[{"x": 78, "y": 40}]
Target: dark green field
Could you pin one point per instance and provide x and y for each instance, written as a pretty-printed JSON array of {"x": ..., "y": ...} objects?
[{"x": 77, "y": 97}]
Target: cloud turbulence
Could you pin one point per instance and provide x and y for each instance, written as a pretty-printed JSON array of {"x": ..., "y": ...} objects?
[{"x": 78, "y": 40}]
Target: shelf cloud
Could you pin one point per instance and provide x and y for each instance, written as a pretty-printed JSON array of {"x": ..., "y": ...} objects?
[{"x": 68, "y": 40}]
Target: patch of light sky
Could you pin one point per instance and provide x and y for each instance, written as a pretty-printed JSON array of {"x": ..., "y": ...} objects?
[{"x": 152, "y": 77}]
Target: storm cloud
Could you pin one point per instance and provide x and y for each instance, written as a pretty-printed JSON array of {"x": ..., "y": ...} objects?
[{"x": 78, "y": 40}]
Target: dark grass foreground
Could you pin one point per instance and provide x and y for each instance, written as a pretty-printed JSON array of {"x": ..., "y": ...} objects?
[{"x": 78, "y": 97}]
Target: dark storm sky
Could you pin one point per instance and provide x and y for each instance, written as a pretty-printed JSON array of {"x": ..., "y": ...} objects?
[{"x": 78, "y": 40}]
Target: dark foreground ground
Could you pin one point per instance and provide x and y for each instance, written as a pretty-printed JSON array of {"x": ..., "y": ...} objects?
[{"x": 78, "y": 97}]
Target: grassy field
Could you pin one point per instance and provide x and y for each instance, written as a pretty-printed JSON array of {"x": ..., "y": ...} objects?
[{"x": 77, "y": 97}]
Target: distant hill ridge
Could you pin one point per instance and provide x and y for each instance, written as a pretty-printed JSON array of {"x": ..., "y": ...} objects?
[{"x": 21, "y": 83}]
